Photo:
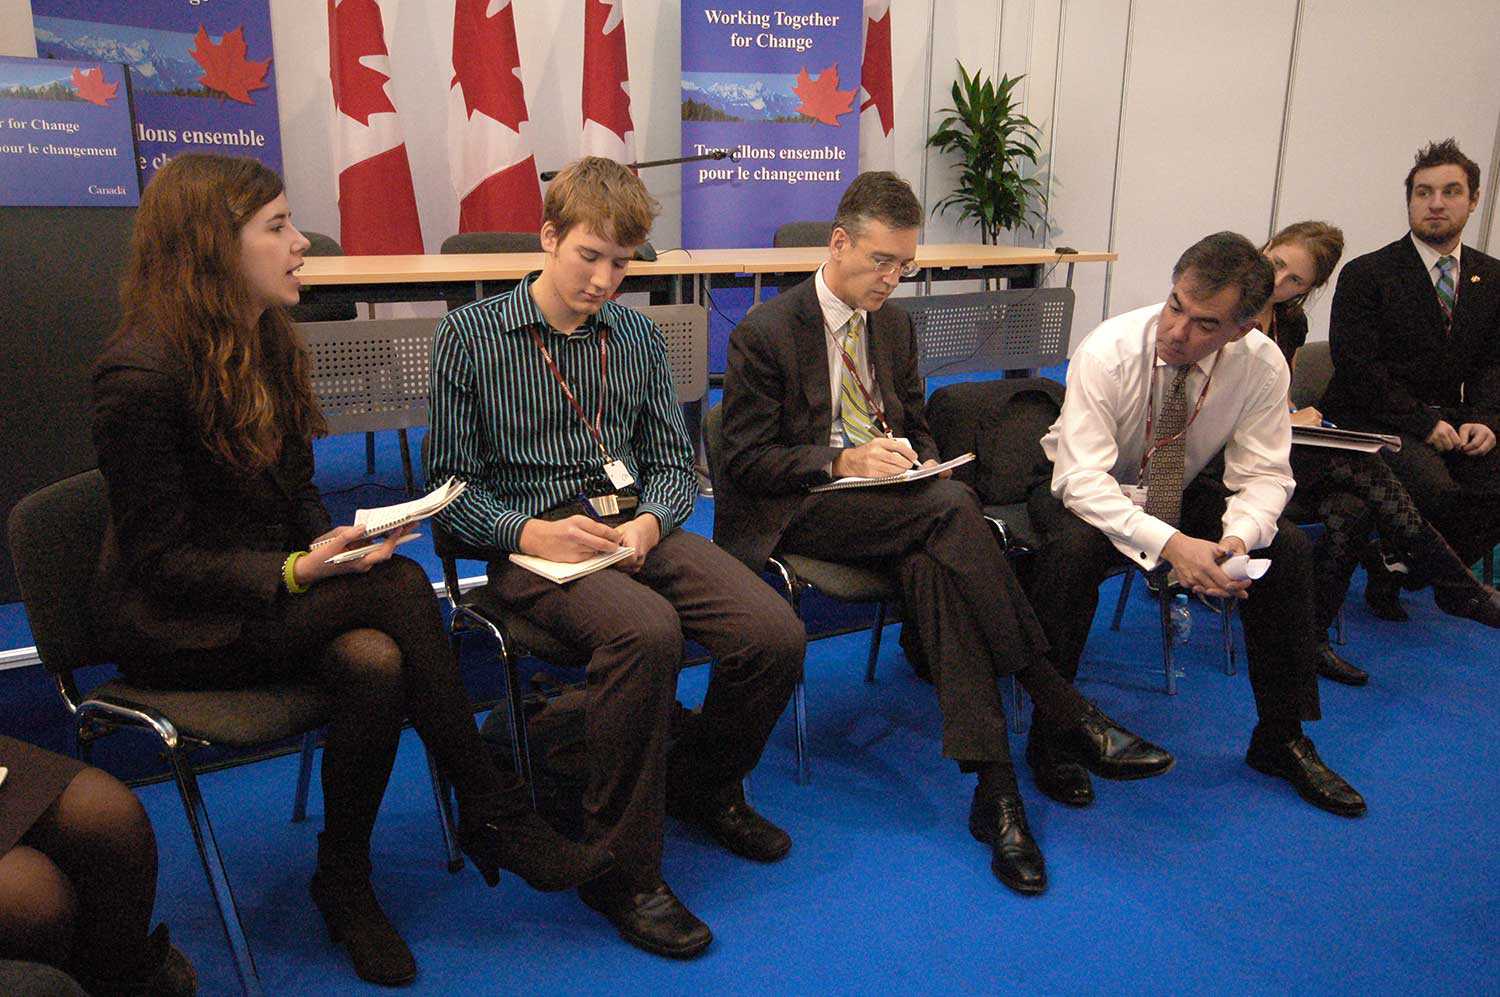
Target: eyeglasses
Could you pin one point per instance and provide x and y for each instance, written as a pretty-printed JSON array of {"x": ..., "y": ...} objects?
[{"x": 891, "y": 267}]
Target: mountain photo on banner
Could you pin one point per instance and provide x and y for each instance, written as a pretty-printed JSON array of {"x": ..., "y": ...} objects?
[
  {"x": 202, "y": 77},
  {"x": 776, "y": 85},
  {"x": 489, "y": 133}
]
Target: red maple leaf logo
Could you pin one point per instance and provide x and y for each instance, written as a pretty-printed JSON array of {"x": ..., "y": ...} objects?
[
  {"x": 875, "y": 74},
  {"x": 355, "y": 31},
  {"x": 225, "y": 67},
  {"x": 822, "y": 100},
  {"x": 91, "y": 86},
  {"x": 486, "y": 62}
]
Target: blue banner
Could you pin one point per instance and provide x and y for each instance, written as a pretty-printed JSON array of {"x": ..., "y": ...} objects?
[
  {"x": 65, "y": 135},
  {"x": 201, "y": 74},
  {"x": 775, "y": 84}
]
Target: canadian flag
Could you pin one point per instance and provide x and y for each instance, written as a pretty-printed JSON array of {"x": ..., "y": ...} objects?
[
  {"x": 877, "y": 112},
  {"x": 607, "y": 129},
  {"x": 494, "y": 173},
  {"x": 377, "y": 203}
]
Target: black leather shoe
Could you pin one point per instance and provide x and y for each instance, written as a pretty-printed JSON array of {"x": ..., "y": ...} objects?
[
  {"x": 1331, "y": 666},
  {"x": 1482, "y": 607},
  {"x": 735, "y": 824},
  {"x": 1298, "y": 763},
  {"x": 354, "y": 919},
  {"x": 1015, "y": 858},
  {"x": 1109, "y": 750},
  {"x": 1383, "y": 594},
  {"x": 1064, "y": 781},
  {"x": 650, "y": 918}
]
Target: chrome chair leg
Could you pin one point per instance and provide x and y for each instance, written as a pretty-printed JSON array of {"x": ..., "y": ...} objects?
[
  {"x": 799, "y": 711},
  {"x": 304, "y": 776},
  {"x": 213, "y": 868},
  {"x": 875, "y": 642},
  {"x": 1164, "y": 604},
  {"x": 1125, "y": 582},
  {"x": 443, "y": 792},
  {"x": 1226, "y": 620},
  {"x": 515, "y": 720}
]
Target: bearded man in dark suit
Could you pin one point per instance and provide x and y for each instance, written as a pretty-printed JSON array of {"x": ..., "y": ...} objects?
[
  {"x": 1415, "y": 335},
  {"x": 822, "y": 383}
]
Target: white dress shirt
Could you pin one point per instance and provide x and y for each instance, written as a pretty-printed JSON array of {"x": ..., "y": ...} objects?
[
  {"x": 835, "y": 331},
  {"x": 1430, "y": 259},
  {"x": 1097, "y": 443}
]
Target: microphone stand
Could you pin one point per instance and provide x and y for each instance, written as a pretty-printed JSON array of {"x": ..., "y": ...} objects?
[{"x": 550, "y": 175}]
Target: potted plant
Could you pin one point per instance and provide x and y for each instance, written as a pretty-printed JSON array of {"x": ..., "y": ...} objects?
[{"x": 995, "y": 141}]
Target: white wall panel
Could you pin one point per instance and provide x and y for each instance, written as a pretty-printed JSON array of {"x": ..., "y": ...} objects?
[
  {"x": 1201, "y": 130},
  {"x": 1375, "y": 80},
  {"x": 1083, "y": 144}
]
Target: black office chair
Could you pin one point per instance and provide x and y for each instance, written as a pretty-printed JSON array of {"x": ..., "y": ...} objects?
[
  {"x": 488, "y": 242},
  {"x": 323, "y": 245},
  {"x": 802, "y": 234},
  {"x": 56, "y": 535},
  {"x": 797, "y": 574}
]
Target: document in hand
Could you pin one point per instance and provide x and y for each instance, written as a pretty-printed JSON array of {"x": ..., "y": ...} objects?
[
  {"x": 360, "y": 553},
  {"x": 563, "y": 572},
  {"x": 1344, "y": 439},
  {"x": 390, "y": 517},
  {"x": 915, "y": 474}
]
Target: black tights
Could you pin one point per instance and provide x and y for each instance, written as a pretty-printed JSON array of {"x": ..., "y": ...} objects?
[
  {"x": 77, "y": 892},
  {"x": 375, "y": 642}
]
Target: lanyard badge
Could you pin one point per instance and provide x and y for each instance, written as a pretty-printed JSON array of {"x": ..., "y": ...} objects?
[{"x": 619, "y": 476}]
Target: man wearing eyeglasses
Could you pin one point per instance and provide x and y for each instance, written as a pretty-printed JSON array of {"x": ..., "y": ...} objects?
[{"x": 822, "y": 384}]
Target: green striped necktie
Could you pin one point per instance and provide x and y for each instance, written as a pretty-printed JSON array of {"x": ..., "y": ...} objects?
[
  {"x": 859, "y": 424},
  {"x": 1446, "y": 291}
]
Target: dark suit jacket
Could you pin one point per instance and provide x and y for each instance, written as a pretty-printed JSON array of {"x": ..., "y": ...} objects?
[
  {"x": 193, "y": 546},
  {"x": 778, "y": 410},
  {"x": 1394, "y": 367}
]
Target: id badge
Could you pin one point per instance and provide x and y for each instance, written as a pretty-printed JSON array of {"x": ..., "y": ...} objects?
[
  {"x": 1136, "y": 494},
  {"x": 618, "y": 476}
]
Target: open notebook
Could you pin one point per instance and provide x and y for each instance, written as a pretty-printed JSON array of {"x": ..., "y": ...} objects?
[
  {"x": 390, "y": 517},
  {"x": 915, "y": 474}
]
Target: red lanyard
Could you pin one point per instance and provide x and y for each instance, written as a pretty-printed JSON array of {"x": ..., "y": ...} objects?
[
  {"x": 876, "y": 409},
  {"x": 595, "y": 428},
  {"x": 1153, "y": 445}
]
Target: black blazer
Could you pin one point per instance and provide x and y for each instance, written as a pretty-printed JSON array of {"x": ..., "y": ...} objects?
[
  {"x": 1394, "y": 367},
  {"x": 193, "y": 546},
  {"x": 778, "y": 410}
]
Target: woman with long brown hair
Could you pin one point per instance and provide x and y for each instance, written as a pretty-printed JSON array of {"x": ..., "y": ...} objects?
[
  {"x": 203, "y": 423},
  {"x": 1354, "y": 493}
]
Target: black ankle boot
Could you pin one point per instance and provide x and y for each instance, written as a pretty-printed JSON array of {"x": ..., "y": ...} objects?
[
  {"x": 163, "y": 971},
  {"x": 501, "y": 831},
  {"x": 1454, "y": 588},
  {"x": 342, "y": 892}
]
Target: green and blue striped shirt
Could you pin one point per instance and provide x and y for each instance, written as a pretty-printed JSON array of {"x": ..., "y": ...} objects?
[{"x": 500, "y": 421}]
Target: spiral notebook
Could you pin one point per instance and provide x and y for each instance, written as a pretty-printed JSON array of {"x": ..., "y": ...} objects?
[
  {"x": 390, "y": 517},
  {"x": 915, "y": 474},
  {"x": 566, "y": 571}
]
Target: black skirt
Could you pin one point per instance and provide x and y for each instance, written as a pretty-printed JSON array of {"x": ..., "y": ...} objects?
[{"x": 37, "y": 778}]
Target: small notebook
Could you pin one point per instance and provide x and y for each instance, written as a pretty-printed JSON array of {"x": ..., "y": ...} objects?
[
  {"x": 1344, "y": 439},
  {"x": 915, "y": 474},
  {"x": 359, "y": 553},
  {"x": 563, "y": 572},
  {"x": 389, "y": 517}
]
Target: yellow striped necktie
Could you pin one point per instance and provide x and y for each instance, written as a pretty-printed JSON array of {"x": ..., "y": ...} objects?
[{"x": 859, "y": 425}]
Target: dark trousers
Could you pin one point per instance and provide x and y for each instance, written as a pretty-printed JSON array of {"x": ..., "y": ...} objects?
[
  {"x": 1460, "y": 495},
  {"x": 1074, "y": 557},
  {"x": 635, "y": 626},
  {"x": 971, "y": 615}
]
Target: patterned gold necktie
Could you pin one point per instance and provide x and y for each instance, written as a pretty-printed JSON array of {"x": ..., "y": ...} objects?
[
  {"x": 854, "y": 411},
  {"x": 1165, "y": 471}
]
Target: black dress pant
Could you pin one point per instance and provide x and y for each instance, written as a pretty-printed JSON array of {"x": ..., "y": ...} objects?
[
  {"x": 1074, "y": 558},
  {"x": 635, "y": 624},
  {"x": 1459, "y": 494},
  {"x": 958, "y": 591}
]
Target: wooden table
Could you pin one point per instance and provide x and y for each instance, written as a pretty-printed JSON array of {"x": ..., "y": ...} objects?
[{"x": 469, "y": 275}]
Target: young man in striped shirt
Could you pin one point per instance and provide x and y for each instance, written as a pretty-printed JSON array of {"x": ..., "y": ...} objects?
[{"x": 557, "y": 406}]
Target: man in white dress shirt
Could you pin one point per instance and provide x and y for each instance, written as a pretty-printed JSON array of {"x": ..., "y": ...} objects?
[{"x": 1153, "y": 395}]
